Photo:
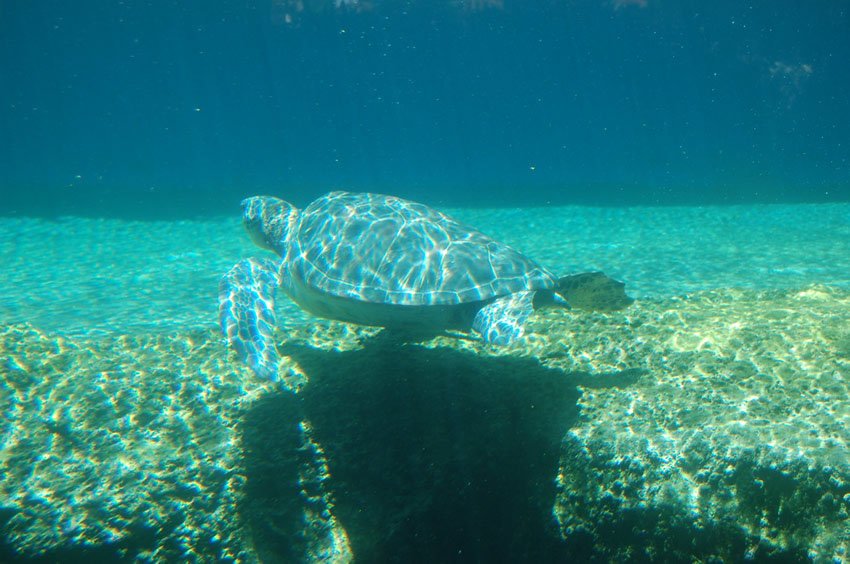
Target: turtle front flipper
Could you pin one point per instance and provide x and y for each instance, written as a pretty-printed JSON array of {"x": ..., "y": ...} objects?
[
  {"x": 501, "y": 322},
  {"x": 246, "y": 313}
]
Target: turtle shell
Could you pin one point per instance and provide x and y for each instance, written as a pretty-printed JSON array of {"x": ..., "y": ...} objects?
[{"x": 384, "y": 249}]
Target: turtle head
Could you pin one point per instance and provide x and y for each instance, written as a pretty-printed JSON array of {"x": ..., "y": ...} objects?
[{"x": 269, "y": 221}]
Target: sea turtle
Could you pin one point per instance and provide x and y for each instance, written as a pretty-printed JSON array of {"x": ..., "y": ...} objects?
[{"x": 376, "y": 260}]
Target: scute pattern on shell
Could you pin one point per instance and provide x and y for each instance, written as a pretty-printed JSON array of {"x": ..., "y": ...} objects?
[{"x": 384, "y": 249}]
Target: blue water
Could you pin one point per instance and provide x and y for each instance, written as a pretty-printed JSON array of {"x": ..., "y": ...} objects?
[
  {"x": 642, "y": 138},
  {"x": 176, "y": 109}
]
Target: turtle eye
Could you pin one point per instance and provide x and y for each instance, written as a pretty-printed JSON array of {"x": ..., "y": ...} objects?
[
  {"x": 254, "y": 227},
  {"x": 246, "y": 203}
]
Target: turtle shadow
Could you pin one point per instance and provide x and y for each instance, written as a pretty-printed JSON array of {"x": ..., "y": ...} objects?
[{"x": 434, "y": 455}]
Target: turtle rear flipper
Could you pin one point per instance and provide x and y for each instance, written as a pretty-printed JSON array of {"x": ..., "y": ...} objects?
[
  {"x": 593, "y": 291},
  {"x": 501, "y": 322},
  {"x": 246, "y": 313}
]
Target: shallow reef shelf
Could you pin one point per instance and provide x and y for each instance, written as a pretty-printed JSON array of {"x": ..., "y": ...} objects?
[{"x": 710, "y": 426}]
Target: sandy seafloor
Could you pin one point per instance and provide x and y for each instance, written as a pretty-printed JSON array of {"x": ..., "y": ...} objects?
[
  {"x": 77, "y": 275},
  {"x": 708, "y": 421}
]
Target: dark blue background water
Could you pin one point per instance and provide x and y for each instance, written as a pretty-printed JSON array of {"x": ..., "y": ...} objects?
[{"x": 181, "y": 108}]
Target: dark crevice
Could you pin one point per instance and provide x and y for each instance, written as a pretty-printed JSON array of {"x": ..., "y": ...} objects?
[{"x": 435, "y": 455}]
